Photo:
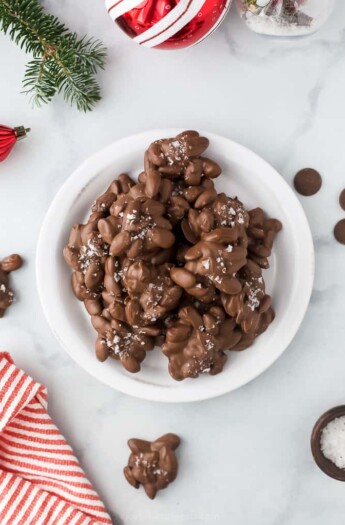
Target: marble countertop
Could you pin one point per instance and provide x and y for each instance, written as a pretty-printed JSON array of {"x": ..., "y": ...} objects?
[{"x": 245, "y": 457}]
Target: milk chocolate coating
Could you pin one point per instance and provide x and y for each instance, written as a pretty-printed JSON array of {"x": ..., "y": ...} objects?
[
  {"x": 261, "y": 234},
  {"x": 308, "y": 182},
  {"x": 196, "y": 344},
  {"x": 152, "y": 464},
  {"x": 251, "y": 308},
  {"x": 339, "y": 231},
  {"x": 151, "y": 290},
  {"x": 170, "y": 261},
  {"x": 7, "y": 265}
]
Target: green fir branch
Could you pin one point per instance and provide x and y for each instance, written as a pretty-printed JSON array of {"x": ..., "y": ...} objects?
[{"x": 62, "y": 62}]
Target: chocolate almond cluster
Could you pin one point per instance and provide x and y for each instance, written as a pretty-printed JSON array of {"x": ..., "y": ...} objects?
[
  {"x": 152, "y": 464},
  {"x": 9, "y": 264},
  {"x": 170, "y": 262}
]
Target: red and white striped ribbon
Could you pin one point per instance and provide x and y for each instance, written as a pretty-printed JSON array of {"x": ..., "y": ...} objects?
[{"x": 41, "y": 482}]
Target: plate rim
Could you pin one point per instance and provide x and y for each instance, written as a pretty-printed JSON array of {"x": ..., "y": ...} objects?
[{"x": 156, "y": 392}]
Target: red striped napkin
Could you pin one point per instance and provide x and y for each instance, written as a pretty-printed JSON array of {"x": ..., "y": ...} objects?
[{"x": 41, "y": 482}]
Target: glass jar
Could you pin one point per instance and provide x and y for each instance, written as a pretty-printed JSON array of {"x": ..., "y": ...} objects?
[{"x": 285, "y": 17}]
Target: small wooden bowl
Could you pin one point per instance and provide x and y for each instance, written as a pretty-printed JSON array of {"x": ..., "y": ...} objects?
[{"x": 323, "y": 463}]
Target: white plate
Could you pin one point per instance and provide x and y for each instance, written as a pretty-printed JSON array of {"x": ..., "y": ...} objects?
[{"x": 289, "y": 279}]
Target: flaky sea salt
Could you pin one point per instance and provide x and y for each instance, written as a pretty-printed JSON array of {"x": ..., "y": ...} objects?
[
  {"x": 206, "y": 264},
  {"x": 333, "y": 441},
  {"x": 240, "y": 218}
]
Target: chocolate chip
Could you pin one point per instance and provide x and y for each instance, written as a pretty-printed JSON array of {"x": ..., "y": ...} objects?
[
  {"x": 342, "y": 199},
  {"x": 339, "y": 231},
  {"x": 307, "y": 182}
]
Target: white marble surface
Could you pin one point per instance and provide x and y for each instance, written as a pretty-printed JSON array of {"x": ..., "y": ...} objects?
[{"x": 245, "y": 457}]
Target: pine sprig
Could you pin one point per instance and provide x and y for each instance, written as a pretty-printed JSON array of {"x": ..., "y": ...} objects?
[{"x": 62, "y": 62}]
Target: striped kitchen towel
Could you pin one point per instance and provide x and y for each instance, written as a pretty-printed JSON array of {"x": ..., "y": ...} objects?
[{"x": 41, "y": 482}]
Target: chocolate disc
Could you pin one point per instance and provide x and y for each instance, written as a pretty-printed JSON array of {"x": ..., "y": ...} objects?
[
  {"x": 339, "y": 231},
  {"x": 307, "y": 182},
  {"x": 342, "y": 199}
]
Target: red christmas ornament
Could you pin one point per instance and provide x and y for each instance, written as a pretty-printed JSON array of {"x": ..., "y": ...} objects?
[
  {"x": 168, "y": 24},
  {"x": 8, "y": 138}
]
